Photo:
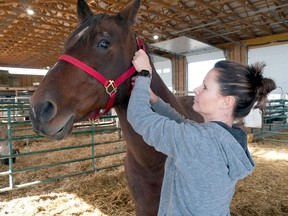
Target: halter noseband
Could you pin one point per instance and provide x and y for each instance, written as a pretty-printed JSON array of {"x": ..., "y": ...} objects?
[{"x": 110, "y": 85}]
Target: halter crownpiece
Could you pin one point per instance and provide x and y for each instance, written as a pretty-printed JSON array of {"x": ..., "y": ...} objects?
[{"x": 110, "y": 85}]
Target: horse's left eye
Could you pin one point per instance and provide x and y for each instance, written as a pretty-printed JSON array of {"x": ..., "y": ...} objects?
[{"x": 103, "y": 44}]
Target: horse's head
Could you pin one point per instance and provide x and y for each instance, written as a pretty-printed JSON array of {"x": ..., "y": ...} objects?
[{"x": 68, "y": 93}]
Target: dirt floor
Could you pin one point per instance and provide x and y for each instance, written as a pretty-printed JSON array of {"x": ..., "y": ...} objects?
[{"x": 264, "y": 193}]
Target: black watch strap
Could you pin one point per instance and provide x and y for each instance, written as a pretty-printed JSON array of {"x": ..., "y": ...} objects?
[{"x": 144, "y": 73}]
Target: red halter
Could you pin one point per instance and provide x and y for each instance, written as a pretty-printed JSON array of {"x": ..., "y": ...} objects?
[{"x": 110, "y": 85}]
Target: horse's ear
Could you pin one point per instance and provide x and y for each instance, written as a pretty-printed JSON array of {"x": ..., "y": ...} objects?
[
  {"x": 83, "y": 10},
  {"x": 129, "y": 13}
]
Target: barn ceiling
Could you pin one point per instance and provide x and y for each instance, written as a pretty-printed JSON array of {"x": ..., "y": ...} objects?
[{"x": 37, "y": 40}]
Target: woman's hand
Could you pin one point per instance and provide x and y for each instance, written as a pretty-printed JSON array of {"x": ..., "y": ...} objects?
[{"x": 141, "y": 61}]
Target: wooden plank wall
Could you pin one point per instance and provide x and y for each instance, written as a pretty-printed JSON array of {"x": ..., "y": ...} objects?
[
  {"x": 12, "y": 80},
  {"x": 28, "y": 80}
]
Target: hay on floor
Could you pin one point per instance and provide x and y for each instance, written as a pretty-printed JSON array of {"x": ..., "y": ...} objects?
[{"x": 105, "y": 192}]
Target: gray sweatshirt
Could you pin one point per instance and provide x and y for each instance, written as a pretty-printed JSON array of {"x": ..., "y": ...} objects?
[{"x": 204, "y": 160}]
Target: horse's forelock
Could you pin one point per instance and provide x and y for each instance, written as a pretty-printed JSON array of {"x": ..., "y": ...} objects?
[{"x": 84, "y": 30}]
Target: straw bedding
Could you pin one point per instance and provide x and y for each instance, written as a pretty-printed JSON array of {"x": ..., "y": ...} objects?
[{"x": 264, "y": 193}]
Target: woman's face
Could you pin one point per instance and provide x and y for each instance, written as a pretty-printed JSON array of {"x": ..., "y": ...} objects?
[{"x": 208, "y": 99}]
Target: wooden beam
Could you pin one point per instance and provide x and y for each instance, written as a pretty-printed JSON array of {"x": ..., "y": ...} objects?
[
  {"x": 277, "y": 38},
  {"x": 267, "y": 39}
]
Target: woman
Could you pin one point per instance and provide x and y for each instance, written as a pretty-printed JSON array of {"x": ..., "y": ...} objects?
[{"x": 204, "y": 160}]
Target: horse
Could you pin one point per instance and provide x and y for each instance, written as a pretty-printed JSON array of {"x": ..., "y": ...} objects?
[{"x": 94, "y": 74}]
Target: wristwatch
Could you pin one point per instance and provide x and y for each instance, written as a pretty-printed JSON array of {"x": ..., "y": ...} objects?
[{"x": 145, "y": 73}]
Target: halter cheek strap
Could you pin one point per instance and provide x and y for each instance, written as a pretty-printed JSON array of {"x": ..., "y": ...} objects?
[{"x": 110, "y": 85}]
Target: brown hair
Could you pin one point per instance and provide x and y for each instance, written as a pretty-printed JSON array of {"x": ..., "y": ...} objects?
[{"x": 246, "y": 83}]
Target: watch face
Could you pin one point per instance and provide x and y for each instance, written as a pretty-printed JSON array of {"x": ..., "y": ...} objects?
[{"x": 145, "y": 73}]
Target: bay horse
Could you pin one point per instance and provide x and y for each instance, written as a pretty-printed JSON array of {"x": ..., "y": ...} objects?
[{"x": 94, "y": 73}]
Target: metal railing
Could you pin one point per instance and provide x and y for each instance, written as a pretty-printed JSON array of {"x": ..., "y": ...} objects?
[
  {"x": 22, "y": 131},
  {"x": 274, "y": 121}
]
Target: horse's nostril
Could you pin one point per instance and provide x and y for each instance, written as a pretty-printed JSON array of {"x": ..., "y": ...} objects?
[{"x": 48, "y": 111}]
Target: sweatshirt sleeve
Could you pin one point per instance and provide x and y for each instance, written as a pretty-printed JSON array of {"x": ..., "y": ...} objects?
[
  {"x": 165, "y": 109},
  {"x": 166, "y": 135}
]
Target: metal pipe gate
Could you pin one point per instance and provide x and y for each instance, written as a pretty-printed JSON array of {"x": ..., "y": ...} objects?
[
  {"x": 16, "y": 111},
  {"x": 274, "y": 121}
]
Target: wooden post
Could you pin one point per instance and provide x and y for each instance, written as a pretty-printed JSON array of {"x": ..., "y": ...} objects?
[
  {"x": 237, "y": 52},
  {"x": 179, "y": 65}
]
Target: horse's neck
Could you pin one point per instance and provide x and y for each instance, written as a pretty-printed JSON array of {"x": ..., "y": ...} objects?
[{"x": 160, "y": 89}]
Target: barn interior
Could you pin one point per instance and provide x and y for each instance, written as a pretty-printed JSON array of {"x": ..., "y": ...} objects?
[
  {"x": 32, "y": 36},
  {"x": 33, "y": 32}
]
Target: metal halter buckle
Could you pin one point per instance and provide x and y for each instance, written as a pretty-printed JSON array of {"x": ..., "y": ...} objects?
[{"x": 110, "y": 88}]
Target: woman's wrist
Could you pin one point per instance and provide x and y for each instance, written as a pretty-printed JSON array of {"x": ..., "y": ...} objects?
[
  {"x": 145, "y": 73},
  {"x": 153, "y": 98},
  {"x": 153, "y": 101}
]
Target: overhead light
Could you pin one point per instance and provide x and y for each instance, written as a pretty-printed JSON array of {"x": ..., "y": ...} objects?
[
  {"x": 30, "y": 11},
  {"x": 155, "y": 37},
  {"x": 24, "y": 71}
]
